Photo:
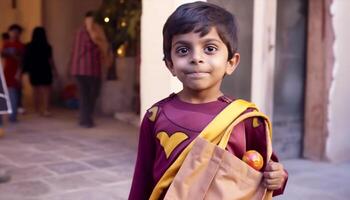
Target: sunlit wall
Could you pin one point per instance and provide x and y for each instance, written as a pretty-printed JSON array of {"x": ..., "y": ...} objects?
[{"x": 338, "y": 148}]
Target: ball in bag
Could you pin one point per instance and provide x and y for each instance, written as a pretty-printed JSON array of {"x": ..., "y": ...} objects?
[{"x": 253, "y": 159}]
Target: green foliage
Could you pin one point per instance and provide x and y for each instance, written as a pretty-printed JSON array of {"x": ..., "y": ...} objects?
[{"x": 123, "y": 26}]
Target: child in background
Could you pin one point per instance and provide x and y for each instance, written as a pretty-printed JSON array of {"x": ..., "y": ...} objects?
[
  {"x": 200, "y": 49},
  {"x": 4, "y": 174},
  {"x": 12, "y": 53}
]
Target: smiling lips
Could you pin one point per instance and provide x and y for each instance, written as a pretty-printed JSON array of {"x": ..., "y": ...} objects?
[{"x": 197, "y": 74}]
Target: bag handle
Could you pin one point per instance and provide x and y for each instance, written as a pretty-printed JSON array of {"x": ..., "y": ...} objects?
[
  {"x": 212, "y": 132},
  {"x": 224, "y": 140},
  {"x": 223, "y": 143}
]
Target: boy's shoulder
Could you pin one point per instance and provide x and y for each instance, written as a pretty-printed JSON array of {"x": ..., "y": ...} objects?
[{"x": 155, "y": 109}]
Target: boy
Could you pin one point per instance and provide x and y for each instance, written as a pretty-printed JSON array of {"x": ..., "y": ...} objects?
[
  {"x": 4, "y": 174},
  {"x": 12, "y": 53},
  {"x": 200, "y": 48},
  {"x": 86, "y": 67}
]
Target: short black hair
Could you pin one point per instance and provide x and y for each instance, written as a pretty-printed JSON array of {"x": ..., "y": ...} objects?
[
  {"x": 200, "y": 17},
  {"x": 15, "y": 27},
  {"x": 89, "y": 13},
  {"x": 5, "y": 36}
]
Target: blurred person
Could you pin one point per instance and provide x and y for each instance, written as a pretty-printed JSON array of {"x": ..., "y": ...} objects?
[
  {"x": 86, "y": 66},
  {"x": 5, "y": 37},
  {"x": 4, "y": 175},
  {"x": 12, "y": 52},
  {"x": 4, "y": 107},
  {"x": 38, "y": 63}
]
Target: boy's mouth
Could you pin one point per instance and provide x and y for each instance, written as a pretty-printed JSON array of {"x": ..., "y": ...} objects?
[{"x": 197, "y": 74}]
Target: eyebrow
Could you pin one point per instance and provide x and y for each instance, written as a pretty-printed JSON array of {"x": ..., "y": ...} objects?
[{"x": 181, "y": 42}]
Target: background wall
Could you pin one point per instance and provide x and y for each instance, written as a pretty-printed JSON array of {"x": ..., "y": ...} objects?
[
  {"x": 338, "y": 148},
  {"x": 290, "y": 67},
  {"x": 61, "y": 19}
]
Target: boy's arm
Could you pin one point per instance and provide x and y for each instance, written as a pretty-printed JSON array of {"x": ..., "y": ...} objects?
[
  {"x": 142, "y": 184},
  {"x": 6, "y": 51},
  {"x": 255, "y": 140}
]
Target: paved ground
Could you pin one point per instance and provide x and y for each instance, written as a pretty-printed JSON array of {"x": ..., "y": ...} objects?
[
  {"x": 317, "y": 180},
  {"x": 54, "y": 159}
]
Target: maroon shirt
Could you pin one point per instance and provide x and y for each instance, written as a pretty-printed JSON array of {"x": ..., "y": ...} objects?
[
  {"x": 13, "y": 51},
  {"x": 174, "y": 115},
  {"x": 86, "y": 57}
]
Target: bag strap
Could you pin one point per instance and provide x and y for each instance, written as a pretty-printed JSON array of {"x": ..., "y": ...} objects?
[{"x": 212, "y": 133}]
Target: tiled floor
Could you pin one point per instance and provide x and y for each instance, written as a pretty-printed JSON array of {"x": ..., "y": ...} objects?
[
  {"x": 309, "y": 180},
  {"x": 54, "y": 159}
]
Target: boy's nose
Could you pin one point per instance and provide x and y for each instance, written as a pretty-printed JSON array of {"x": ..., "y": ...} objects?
[{"x": 196, "y": 58}]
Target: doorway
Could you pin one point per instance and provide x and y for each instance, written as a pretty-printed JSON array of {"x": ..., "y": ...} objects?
[{"x": 289, "y": 79}]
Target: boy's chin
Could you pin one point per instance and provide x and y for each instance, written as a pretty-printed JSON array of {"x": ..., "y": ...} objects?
[{"x": 196, "y": 88}]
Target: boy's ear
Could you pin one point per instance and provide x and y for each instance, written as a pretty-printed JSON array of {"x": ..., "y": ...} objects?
[
  {"x": 170, "y": 67},
  {"x": 232, "y": 64}
]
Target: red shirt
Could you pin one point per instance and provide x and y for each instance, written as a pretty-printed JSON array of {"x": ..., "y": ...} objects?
[
  {"x": 86, "y": 57},
  {"x": 12, "y": 51},
  {"x": 173, "y": 116}
]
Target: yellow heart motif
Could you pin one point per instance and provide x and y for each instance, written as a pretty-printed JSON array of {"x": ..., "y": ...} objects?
[{"x": 170, "y": 143}]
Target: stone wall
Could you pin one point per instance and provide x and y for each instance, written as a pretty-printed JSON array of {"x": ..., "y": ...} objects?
[
  {"x": 338, "y": 148},
  {"x": 119, "y": 95}
]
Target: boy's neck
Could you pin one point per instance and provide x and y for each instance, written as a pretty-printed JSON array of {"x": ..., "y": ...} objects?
[{"x": 198, "y": 97}]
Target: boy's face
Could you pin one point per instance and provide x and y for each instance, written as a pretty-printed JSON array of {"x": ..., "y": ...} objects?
[
  {"x": 88, "y": 22},
  {"x": 200, "y": 63},
  {"x": 14, "y": 34}
]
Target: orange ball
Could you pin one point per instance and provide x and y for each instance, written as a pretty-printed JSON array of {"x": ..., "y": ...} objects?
[{"x": 253, "y": 159}]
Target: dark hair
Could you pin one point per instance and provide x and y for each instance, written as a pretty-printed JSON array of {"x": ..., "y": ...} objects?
[
  {"x": 39, "y": 36},
  {"x": 200, "y": 17},
  {"x": 89, "y": 13},
  {"x": 15, "y": 27},
  {"x": 5, "y": 36}
]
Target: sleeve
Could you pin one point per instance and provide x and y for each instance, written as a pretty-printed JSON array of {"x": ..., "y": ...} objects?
[
  {"x": 143, "y": 183},
  {"x": 74, "y": 48},
  {"x": 4, "y": 51},
  {"x": 255, "y": 140}
]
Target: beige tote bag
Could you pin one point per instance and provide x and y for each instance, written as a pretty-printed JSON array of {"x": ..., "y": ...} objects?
[{"x": 211, "y": 172}]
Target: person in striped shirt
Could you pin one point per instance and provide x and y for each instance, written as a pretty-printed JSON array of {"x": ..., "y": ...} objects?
[{"x": 86, "y": 67}]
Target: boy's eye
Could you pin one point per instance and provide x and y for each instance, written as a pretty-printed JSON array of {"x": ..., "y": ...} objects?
[
  {"x": 210, "y": 49},
  {"x": 182, "y": 51}
]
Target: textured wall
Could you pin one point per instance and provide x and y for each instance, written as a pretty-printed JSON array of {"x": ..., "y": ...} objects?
[
  {"x": 288, "y": 109},
  {"x": 338, "y": 148}
]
